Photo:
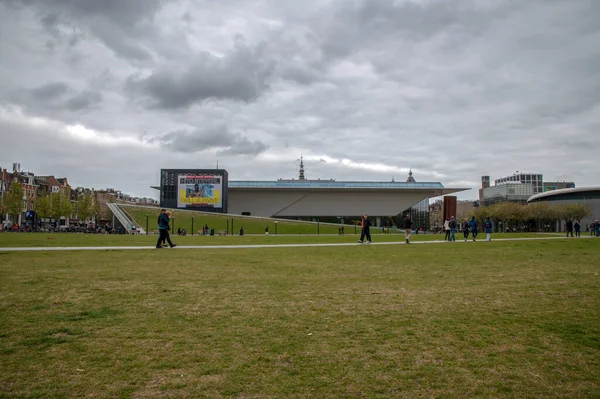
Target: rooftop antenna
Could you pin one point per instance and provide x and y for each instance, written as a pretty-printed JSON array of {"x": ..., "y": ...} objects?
[{"x": 301, "y": 177}]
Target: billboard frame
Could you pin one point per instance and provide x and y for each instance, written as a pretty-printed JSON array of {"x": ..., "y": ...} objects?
[{"x": 169, "y": 188}]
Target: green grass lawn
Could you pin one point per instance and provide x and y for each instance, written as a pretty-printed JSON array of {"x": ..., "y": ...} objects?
[
  {"x": 489, "y": 320},
  {"x": 78, "y": 240},
  {"x": 183, "y": 219}
]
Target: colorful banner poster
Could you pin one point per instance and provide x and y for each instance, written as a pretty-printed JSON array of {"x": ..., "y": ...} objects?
[{"x": 200, "y": 191}]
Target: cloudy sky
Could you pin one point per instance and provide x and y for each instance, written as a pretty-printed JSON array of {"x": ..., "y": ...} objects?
[{"x": 107, "y": 92}]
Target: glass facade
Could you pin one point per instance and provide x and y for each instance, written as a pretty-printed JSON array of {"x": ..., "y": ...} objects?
[
  {"x": 419, "y": 213},
  {"x": 536, "y": 180},
  {"x": 507, "y": 192}
]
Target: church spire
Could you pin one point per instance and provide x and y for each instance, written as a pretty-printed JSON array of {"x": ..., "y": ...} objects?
[
  {"x": 410, "y": 179},
  {"x": 301, "y": 169}
]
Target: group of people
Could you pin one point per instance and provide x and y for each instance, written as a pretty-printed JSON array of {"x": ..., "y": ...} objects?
[
  {"x": 467, "y": 227},
  {"x": 570, "y": 226},
  {"x": 595, "y": 228},
  {"x": 451, "y": 226}
]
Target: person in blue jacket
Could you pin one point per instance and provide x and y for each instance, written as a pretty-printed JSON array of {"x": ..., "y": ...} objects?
[
  {"x": 163, "y": 229},
  {"x": 488, "y": 225},
  {"x": 474, "y": 227}
]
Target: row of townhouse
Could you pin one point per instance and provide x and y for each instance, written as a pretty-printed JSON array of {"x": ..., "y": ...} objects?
[{"x": 35, "y": 186}]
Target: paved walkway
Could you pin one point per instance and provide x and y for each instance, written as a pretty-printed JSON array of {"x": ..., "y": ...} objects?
[{"x": 250, "y": 246}]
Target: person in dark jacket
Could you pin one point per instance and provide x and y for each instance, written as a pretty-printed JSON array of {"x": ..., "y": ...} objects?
[
  {"x": 465, "y": 229},
  {"x": 407, "y": 228},
  {"x": 163, "y": 242},
  {"x": 452, "y": 225},
  {"x": 569, "y": 227},
  {"x": 577, "y": 227},
  {"x": 163, "y": 229},
  {"x": 366, "y": 230},
  {"x": 473, "y": 226}
]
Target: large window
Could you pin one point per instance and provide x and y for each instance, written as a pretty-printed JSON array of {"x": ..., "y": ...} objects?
[{"x": 419, "y": 213}]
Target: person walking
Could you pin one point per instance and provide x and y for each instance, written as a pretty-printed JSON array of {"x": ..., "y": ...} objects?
[
  {"x": 452, "y": 225},
  {"x": 474, "y": 228},
  {"x": 163, "y": 243},
  {"x": 366, "y": 230},
  {"x": 447, "y": 230},
  {"x": 407, "y": 228},
  {"x": 488, "y": 226},
  {"x": 577, "y": 227},
  {"x": 465, "y": 229},
  {"x": 569, "y": 227},
  {"x": 163, "y": 229}
]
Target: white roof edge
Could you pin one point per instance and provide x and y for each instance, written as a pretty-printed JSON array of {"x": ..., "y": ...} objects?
[{"x": 562, "y": 191}]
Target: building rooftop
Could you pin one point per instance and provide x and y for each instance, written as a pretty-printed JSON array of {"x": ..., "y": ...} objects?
[
  {"x": 556, "y": 193},
  {"x": 330, "y": 184}
]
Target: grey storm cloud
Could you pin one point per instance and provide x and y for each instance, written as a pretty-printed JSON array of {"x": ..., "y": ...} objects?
[
  {"x": 84, "y": 100},
  {"x": 221, "y": 138},
  {"x": 57, "y": 96},
  {"x": 50, "y": 91},
  {"x": 238, "y": 76},
  {"x": 114, "y": 22},
  {"x": 124, "y": 12}
]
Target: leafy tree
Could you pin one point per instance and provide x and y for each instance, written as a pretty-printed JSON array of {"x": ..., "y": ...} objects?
[
  {"x": 96, "y": 206},
  {"x": 84, "y": 207},
  {"x": 42, "y": 205},
  {"x": 561, "y": 212},
  {"x": 577, "y": 211},
  {"x": 540, "y": 212},
  {"x": 55, "y": 205},
  {"x": 510, "y": 214},
  {"x": 14, "y": 200},
  {"x": 66, "y": 207},
  {"x": 60, "y": 205},
  {"x": 482, "y": 213}
]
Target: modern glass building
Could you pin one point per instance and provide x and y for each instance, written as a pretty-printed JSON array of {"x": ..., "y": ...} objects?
[
  {"x": 507, "y": 192},
  {"x": 536, "y": 180}
]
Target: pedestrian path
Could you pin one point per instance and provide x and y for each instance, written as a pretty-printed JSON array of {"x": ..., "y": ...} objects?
[{"x": 260, "y": 246}]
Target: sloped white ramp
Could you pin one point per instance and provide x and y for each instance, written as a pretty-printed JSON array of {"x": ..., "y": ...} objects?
[{"x": 124, "y": 219}]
